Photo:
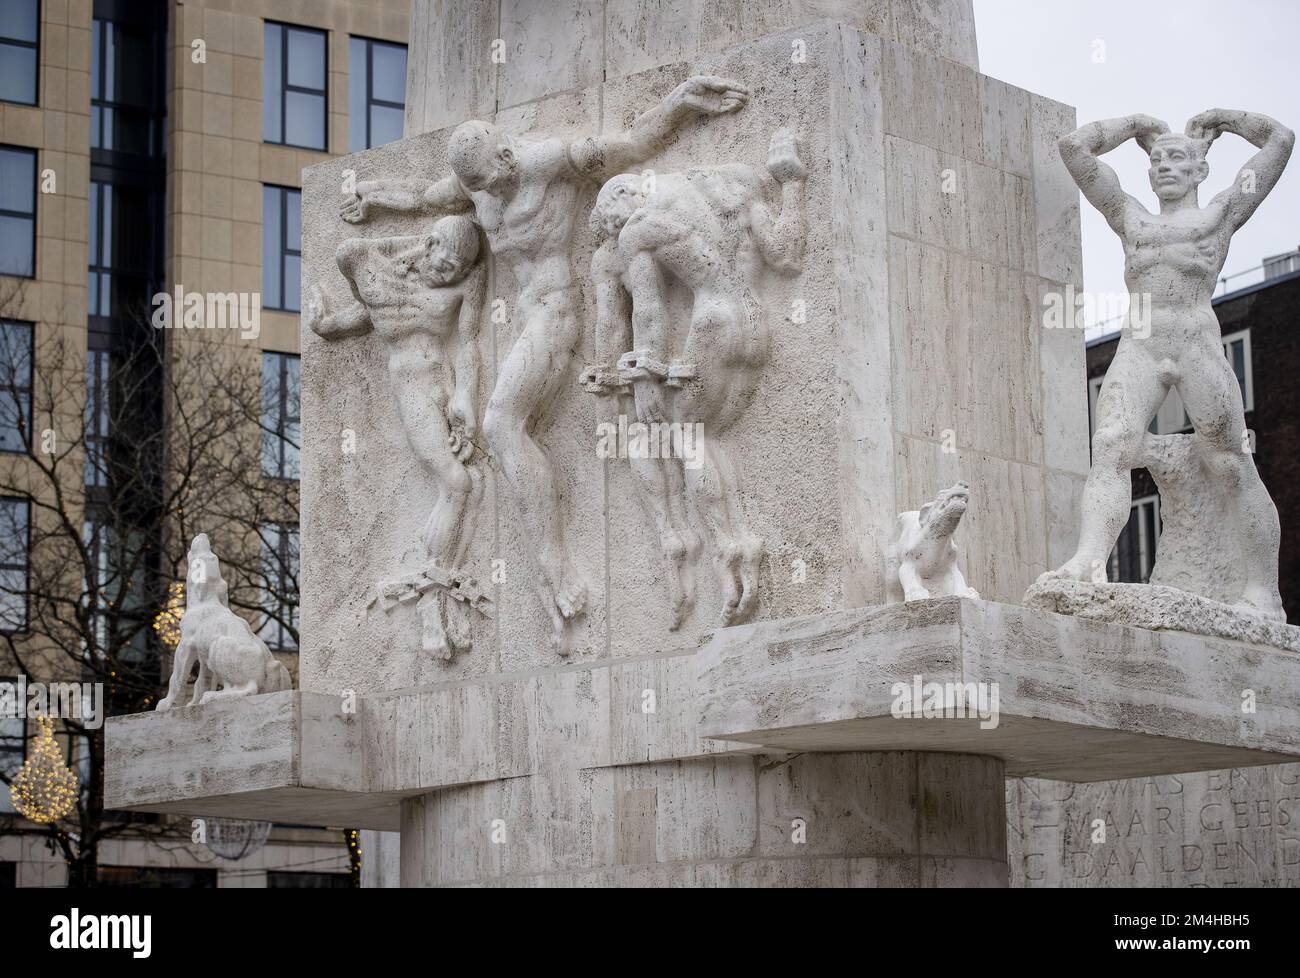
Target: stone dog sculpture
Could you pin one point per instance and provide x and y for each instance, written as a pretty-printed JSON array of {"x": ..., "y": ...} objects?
[
  {"x": 524, "y": 193},
  {"x": 922, "y": 560},
  {"x": 421, "y": 296},
  {"x": 227, "y": 652},
  {"x": 711, "y": 230},
  {"x": 1174, "y": 257}
]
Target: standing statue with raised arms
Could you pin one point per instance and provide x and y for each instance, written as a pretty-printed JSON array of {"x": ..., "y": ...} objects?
[
  {"x": 524, "y": 193},
  {"x": 1174, "y": 257}
]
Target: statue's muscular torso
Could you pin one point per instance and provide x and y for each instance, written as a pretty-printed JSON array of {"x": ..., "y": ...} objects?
[
  {"x": 531, "y": 233},
  {"x": 1176, "y": 260}
]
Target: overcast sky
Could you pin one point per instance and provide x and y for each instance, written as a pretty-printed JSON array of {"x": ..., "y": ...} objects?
[{"x": 1166, "y": 59}]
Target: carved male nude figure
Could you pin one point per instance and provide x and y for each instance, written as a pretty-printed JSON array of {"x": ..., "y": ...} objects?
[
  {"x": 422, "y": 296},
  {"x": 712, "y": 230},
  {"x": 1175, "y": 257},
  {"x": 524, "y": 193}
]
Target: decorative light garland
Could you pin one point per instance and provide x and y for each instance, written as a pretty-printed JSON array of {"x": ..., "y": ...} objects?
[{"x": 46, "y": 788}]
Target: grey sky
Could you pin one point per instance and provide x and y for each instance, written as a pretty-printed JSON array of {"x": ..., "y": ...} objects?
[{"x": 1169, "y": 60}]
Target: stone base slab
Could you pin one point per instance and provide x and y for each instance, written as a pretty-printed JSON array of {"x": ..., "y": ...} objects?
[
  {"x": 1161, "y": 608},
  {"x": 277, "y": 757},
  {"x": 1078, "y": 700}
]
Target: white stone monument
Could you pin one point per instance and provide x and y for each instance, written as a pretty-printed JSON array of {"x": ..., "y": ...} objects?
[{"x": 824, "y": 237}]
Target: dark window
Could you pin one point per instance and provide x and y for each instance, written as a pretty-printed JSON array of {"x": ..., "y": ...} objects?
[
  {"x": 157, "y": 878},
  {"x": 376, "y": 92},
  {"x": 17, "y": 211},
  {"x": 20, "y": 27},
  {"x": 15, "y": 385},
  {"x": 15, "y": 538},
  {"x": 307, "y": 881},
  {"x": 13, "y": 740},
  {"x": 294, "y": 73},
  {"x": 8, "y": 871},
  {"x": 281, "y": 415},
  {"x": 281, "y": 248},
  {"x": 122, "y": 89},
  {"x": 118, "y": 251},
  {"x": 97, "y": 394},
  {"x": 280, "y": 576},
  {"x": 1134, "y": 555}
]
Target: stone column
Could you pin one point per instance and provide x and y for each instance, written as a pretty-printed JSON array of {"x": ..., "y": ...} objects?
[{"x": 864, "y": 818}]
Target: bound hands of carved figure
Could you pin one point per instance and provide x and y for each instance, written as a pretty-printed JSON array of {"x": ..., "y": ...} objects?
[
  {"x": 1147, "y": 129},
  {"x": 461, "y": 417},
  {"x": 783, "y": 158},
  {"x": 355, "y": 208},
  {"x": 708, "y": 95}
]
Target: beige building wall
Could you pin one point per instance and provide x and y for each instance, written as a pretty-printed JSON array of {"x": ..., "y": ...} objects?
[{"x": 217, "y": 164}]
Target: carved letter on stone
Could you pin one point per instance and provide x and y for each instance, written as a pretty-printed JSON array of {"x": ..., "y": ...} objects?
[
  {"x": 1172, "y": 259},
  {"x": 227, "y": 652},
  {"x": 922, "y": 560},
  {"x": 422, "y": 297},
  {"x": 524, "y": 192},
  {"x": 710, "y": 230}
]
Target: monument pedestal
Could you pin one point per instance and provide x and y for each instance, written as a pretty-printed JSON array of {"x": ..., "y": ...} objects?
[
  {"x": 780, "y": 753},
  {"x": 851, "y": 819},
  {"x": 903, "y": 351}
]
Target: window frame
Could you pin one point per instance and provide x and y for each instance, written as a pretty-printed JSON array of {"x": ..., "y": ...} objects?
[
  {"x": 36, "y": 196},
  {"x": 108, "y": 107},
  {"x": 26, "y": 568},
  {"x": 282, "y": 415},
  {"x": 282, "y": 219},
  {"x": 286, "y": 86},
  {"x": 22, "y": 750},
  {"x": 1112, "y": 561},
  {"x": 368, "y": 96},
  {"x": 7, "y": 390},
  {"x": 1248, "y": 384},
  {"x": 98, "y": 400},
  {"x": 32, "y": 45},
  {"x": 272, "y": 630}
]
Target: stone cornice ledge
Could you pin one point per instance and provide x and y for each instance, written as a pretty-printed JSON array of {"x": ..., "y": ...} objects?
[{"x": 1078, "y": 700}]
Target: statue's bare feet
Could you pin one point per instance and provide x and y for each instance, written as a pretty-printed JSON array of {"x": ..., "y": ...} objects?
[
  {"x": 433, "y": 638},
  {"x": 1077, "y": 568},
  {"x": 729, "y": 573},
  {"x": 681, "y": 549},
  {"x": 1263, "y": 602},
  {"x": 457, "y": 614},
  {"x": 751, "y": 556},
  {"x": 568, "y": 589},
  {"x": 561, "y": 626}
]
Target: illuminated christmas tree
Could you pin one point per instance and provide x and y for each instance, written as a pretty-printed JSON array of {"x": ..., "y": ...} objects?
[{"x": 46, "y": 788}]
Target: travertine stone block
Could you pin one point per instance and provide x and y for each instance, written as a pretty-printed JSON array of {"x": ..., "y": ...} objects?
[
  {"x": 471, "y": 58},
  {"x": 1225, "y": 828},
  {"x": 907, "y": 355}
]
